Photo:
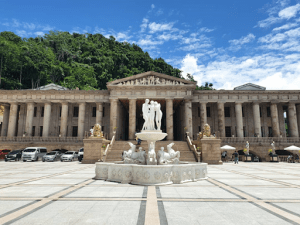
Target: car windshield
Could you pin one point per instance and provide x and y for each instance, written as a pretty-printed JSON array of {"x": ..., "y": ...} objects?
[
  {"x": 5, "y": 151},
  {"x": 51, "y": 153},
  {"x": 69, "y": 153},
  {"x": 14, "y": 152},
  {"x": 30, "y": 150}
]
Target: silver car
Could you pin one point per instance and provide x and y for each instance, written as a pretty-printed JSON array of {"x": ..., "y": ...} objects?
[
  {"x": 69, "y": 156},
  {"x": 51, "y": 156}
]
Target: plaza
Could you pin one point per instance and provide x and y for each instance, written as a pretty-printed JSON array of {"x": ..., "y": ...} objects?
[{"x": 66, "y": 193}]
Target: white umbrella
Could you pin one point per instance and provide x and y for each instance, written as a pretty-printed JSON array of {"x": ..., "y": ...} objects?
[
  {"x": 228, "y": 147},
  {"x": 292, "y": 148}
]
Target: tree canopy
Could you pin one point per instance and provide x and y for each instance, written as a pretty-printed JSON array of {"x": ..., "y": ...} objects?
[{"x": 86, "y": 61}]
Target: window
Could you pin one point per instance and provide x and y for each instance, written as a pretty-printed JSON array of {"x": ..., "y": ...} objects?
[
  {"x": 75, "y": 131},
  {"x": 260, "y": 114},
  {"x": 244, "y": 130},
  {"x": 262, "y": 132},
  {"x": 94, "y": 112},
  {"x": 59, "y": 129},
  {"x": 198, "y": 111},
  {"x": 243, "y": 112},
  {"x": 227, "y": 111},
  {"x": 43, "y": 150},
  {"x": 199, "y": 128},
  {"x": 59, "y": 111},
  {"x": 33, "y": 131},
  {"x": 42, "y": 112},
  {"x": 228, "y": 131},
  {"x": 207, "y": 111},
  {"x": 270, "y": 131},
  {"x": 102, "y": 128},
  {"x": 75, "y": 112},
  {"x": 35, "y": 111},
  {"x": 103, "y": 112},
  {"x": 268, "y": 112},
  {"x": 41, "y": 131}
]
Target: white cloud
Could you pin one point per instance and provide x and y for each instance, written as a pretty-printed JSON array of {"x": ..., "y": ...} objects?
[
  {"x": 243, "y": 40},
  {"x": 29, "y": 26},
  {"x": 144, "y": 24},
  {"x": 289, "y": 12},
  {"x": 285, "y": 27},
  {"x": 152, "y": 6},
  {"x": 23, "y": 33},
  {"x": 39, "y": 33},
  {"x": 205, "y": 29},
  {"x": 157, "y": 27},
  {"x": 189, "y": 65}
]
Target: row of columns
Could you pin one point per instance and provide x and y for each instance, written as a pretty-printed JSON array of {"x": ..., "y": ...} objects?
[
  {"x": 293, "y": 125},
  {"x": 10, "y": 119}
]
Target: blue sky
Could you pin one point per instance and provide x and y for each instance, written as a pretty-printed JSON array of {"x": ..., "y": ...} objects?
[{"x": 228, "y": 43}]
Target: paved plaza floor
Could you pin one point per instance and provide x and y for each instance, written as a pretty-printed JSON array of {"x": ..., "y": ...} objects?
[{"x": 65, "y": 193}]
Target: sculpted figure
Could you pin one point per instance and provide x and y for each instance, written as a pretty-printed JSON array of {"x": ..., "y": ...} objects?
[
  {"x": 137, "y": 82},
  {"x": 170, "y": 157},
  {"x": 206, "y": 130},
  {"x": 145, "y": 110},
  {"x": 159, "y": 115},
  {"x": 151, "y": 157},
  {"x": 132, "y": 157},
  {"x": 157, "y": 80},
  {"x": 273, "y": 147},
  {"x": 151, "y": 116},
  {"x": 97, "y": 131},
  {"x": 163, "y": 81}
]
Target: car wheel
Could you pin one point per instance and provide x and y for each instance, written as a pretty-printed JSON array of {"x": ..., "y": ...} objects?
[
  {"x": 24, "y": 160},
  {"x": 5, "y": 160},
  {"x": 43, "y": 160},
  {"x": 37, "y": 159},
  {"x": 61, "y": 160}
]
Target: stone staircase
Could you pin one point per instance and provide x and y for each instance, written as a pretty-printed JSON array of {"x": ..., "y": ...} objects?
[{"x": 115, "y": 154}]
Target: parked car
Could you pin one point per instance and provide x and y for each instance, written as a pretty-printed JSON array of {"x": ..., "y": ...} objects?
[
  {"x": 51, "y": 156},
  {"x": 33, "y": 153},
  {"x": 4, "y": 152},
  {"x": 80, "y": 154},
  {"x": 14, "y": 155},
  {"x": 69, "y": 156}
]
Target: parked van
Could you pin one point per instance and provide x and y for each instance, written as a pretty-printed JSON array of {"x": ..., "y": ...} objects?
[{"x": 33, "y": 153}]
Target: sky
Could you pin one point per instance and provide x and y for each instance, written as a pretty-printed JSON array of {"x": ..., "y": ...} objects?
[{"x": 227, "y": 43}]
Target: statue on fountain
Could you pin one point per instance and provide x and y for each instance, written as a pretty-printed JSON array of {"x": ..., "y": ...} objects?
[
  {"x": 151, "y": 157},
  {"x": 152, "y": 113},
  {"x": 170, "y": 157},
  {"x": 133, "y": 157}
]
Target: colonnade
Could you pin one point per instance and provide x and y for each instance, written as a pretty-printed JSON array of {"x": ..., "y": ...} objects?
[{"x": 10, "y": 116}]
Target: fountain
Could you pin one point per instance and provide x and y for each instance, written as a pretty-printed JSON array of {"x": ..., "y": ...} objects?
[{"x": 151, "y": 169}]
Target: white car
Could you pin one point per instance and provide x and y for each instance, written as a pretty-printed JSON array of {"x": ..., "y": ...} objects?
[
  {"x": 69, "y": 156},
  {"x": 33, "y": 153}
]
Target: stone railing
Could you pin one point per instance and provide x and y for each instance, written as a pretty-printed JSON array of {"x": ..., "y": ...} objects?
[
  {"x": 108, "y": 147},
  {"x": 193, "y": 148},
  {"x": 42, "y": 139},
  {"x": 261, "y": 140}
]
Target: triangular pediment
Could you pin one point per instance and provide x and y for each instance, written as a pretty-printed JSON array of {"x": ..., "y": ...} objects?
[
  {"x": 52, "y": 86},
  {"x": 249, "y": 87},
  {"x": 150, "y": 78}
]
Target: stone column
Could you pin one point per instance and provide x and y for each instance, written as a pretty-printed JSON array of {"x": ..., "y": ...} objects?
[
  {"x": 221, "y": 119},
  {"x": 188, "y": 117},
  {"x": 298, "y": 116},
  {"x": 64, "y": 119},
  {"x": 239, "y": 119},
  {"x": 203, "y": 114},
  {"x": 293, "y": 126},
  {"x": 132, "y": 118},
  {"x": 275, "y": 122},
  {"x": 5, "y": 121},
  {"x": 47, "y": 119},
  {"x": 169, "y": 117},
  {"x": 113, "y": 115},
  {"x": 81, "y": 118},
  {"x": 29, "y": 118},
  {"x": 256, "y": 118},
  {"x": 99, "y": 112},
  {"x": 12, "y": 124}
]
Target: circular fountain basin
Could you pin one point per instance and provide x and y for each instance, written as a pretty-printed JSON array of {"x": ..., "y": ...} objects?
[
  {"x": 151, "y": 174},
  {"x": 151, "y": 135}
]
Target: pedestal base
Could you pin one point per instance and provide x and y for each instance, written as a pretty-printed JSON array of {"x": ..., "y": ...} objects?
[
  {"x": 92, "y": 150},
  {"x": 247, "y": 158},
  {"x": 274, "y": 158},
  {"x": 211, "y": 152}
]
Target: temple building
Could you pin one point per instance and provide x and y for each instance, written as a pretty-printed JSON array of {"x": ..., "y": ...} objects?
[{"x": 58, "y": 118}]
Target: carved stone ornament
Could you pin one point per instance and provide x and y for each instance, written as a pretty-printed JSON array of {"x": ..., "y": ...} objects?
[
  {"x": 206, "y": 131},
  {"x": 96, "y": 131},
  {"x": 151, "y": 80}
]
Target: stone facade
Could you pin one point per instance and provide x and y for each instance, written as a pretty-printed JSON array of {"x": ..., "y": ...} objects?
[{"x": 55, "y": 117}]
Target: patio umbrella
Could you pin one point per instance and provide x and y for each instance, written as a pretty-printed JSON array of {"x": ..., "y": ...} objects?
[
  {"x": 228, "y": 147},
  {"x": 292, "y": 148}
]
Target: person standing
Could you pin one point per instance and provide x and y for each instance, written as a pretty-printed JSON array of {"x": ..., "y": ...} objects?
[{"x": 236, "y": 157}]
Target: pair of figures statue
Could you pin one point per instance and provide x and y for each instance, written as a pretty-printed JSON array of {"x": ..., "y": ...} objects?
[
  {"x": 151, "y": 112},
  {"x": 132, "y": 157}
]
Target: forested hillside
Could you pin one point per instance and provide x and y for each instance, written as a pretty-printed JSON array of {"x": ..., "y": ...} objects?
[{"x": 86, "y": 61}]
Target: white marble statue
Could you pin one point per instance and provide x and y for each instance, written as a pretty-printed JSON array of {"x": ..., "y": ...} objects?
[
  {"x": 91, "y": 132},
  {"x": 151, "y": 157},
  {"x": 152, "y": 114},
  {"x": 133, "y": 157},
  {"x": 247, "y": 147},
  {"x": 273, "y": 148},
  {"x": 158, "y": 115},
  {"x": 170, "y": 157}
]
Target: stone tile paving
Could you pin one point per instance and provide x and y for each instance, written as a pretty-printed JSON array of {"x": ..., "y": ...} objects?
[{"x": 65, "y": 193}]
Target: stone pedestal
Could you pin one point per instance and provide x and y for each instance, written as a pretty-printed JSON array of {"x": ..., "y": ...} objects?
[
  {"x": 92, "y": 150},
  {"x": 274, "y": 158},
  {"x": 211, "y": 152},
  {"x": 248, "y": 158}
]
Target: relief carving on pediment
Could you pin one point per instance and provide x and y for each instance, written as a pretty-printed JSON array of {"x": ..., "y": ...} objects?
[{"x": 150, "y": 80}]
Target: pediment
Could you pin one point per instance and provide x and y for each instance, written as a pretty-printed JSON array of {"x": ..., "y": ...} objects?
[
  {"x": 150, "y": 78},
  {"x": 52, "y": 86},
  {"x": 249, "y": 87}
]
